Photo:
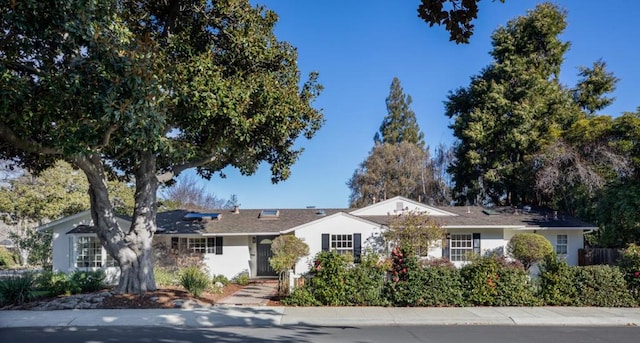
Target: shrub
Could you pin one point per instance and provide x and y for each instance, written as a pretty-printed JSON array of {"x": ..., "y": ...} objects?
[
  {"x": 556, "y": 281},
  {"x": 8, "y": 259},
  {"x": 166, "y": 277},
  {"x": 529, "y": 248},
  {"x": 16, "y": 289},
  {"x": 55, "y": 283},
  {"x": 442, "y": 286},
  {"x": 630, "y": 266},
  {"x": 328, "y": 275},
  {"x": 220, "y": 278},
  {"x": 242, "y": 279},
  {"x": 492, "y": 281},
  {"x": 301, "y": 297},
  {"x": 365, "y": 282},
  {"x": 82, "y": 281},
  {"x": 601, "y": 286},
  {"x": 194, "y": 280}
]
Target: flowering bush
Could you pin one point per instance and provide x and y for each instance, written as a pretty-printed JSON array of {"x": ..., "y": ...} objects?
[
  {"x": 327, "y": 284},
  {"x": 630, "y": 267}
]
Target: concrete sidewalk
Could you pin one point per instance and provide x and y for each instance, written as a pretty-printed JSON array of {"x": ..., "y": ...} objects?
[{"x": 262, "y": 316}]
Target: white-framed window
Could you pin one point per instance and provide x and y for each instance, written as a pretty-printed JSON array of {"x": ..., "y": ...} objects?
[
  {"x": 88, "y": 252},
  {"x": 461, "y": 246},
  {"x": 197, "y": 245},
  {"x": 562, "y": 244},
  {"x": 342, "y": 243}
]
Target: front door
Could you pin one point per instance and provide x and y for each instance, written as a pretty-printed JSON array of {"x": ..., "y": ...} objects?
[{"x": 264, "y": 253}]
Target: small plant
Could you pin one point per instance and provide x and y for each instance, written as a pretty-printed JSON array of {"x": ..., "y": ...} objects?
[
  {"x": 241, "y": 279},
  {"x": 194, "y": 280},
  {"x": 8, "y": 259},
  {"x": 221, "y": 279},
  {"x": 86, "y": 281},
  {"x": 166, "y": 277},
  {"x": 55, "y": 283},
  {"x": 17, "y": 289},
  {"x": 301, "y": 297}
]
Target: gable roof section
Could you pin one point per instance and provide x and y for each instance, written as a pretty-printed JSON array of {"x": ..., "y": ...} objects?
[
  {"x": 390, "y": 206},
  {"x": 333, "y": 216},
  {"x": 69, "y": 219}
]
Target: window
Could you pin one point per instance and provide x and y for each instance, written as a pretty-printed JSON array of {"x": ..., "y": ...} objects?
[
  {"x": 197, "y": 245},
  {"x": 342, "y": 244},
  {"x": 562, "y": 243},
  {"x": 461, "y": 246},
  {"x": 88, "y": 252}
]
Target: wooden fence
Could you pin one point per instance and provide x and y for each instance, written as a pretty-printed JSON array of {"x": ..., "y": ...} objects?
[{"x": 591, "y": 256}]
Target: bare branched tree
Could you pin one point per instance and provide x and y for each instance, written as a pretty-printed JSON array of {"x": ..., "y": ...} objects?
[{"x": 187, "y": 194}]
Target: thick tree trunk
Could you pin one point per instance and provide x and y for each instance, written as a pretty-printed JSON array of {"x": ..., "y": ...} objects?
[{"x": 132, "y": 249}]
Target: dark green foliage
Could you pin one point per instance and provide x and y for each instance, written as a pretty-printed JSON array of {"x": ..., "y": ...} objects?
[
  {"x": 365, "y": 282},
  {"x": 556, "y": 282},
  {"x": 301, "y": 297},
  {"x": 194, "y": 280},
  {"x": 55, "y": 283},
  {"x": 329, "y": 273},
  {"x": 492, "y": 281},
  {"x": 86, "y": 281},
  {"x": 601, "y": 286},
  {"x": 456, "y": 18},
  {"x": 16, "y": 289},
  {"x": 630, "y": 267},
  {"x": 412, "y": 285},
  {"x": 400, "y": 124}
]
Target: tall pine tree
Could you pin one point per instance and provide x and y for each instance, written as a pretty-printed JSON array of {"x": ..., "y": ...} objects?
[{"x": 400, "y": 124}]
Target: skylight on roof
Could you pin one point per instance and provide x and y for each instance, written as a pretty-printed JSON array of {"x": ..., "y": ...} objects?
[
  {"x": 269, "y": 214},
  {"x": 198, "y": 215}
]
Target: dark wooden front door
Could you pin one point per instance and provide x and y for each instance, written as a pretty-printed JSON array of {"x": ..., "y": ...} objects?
[{"x": 264, "y": 253}]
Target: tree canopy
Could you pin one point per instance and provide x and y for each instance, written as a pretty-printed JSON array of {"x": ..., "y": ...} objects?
[
  {"x": 146, "y": 90},
  {"x": 516, "y": 107}
]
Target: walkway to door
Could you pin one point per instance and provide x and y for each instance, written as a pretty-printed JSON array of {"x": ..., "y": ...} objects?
[{"x": 256, "y": 293}]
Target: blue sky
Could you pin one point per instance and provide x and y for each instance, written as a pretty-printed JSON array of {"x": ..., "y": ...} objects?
[{"x": 358, "y": 47}]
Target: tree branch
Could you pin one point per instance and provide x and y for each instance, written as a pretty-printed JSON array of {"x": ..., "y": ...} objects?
[
  {"x": 26, "y": 145},
  {"x": 176, "y": 170},
  {"x": 23, "y": 67}
]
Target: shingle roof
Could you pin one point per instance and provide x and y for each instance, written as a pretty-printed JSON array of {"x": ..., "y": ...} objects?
[
  {"x": 248, "y": 221},
  {"x": 467, "y": 216}
]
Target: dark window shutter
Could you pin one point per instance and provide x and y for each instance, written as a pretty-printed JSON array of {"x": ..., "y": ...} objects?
[
  {"x": 211, "y": 243},
  {"x": 218, "y": 245},
  {"x": 357, "y": 247},
  {"x": 174, "y": 243},
  {"x": 445, "y": 248},
  {"x": 476, "y": 243},
  {"x": 325, "y": 242}
]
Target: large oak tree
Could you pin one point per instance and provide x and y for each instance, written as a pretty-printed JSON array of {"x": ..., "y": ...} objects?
[{"x": 148, "y": 89}]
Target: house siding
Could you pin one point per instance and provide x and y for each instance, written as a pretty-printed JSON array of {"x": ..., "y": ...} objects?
[{"x": 311, "y": 234}]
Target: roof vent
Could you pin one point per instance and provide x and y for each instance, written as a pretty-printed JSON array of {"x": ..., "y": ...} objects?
[
  {"x": 321, "y": 213},
  {"x": 490, "y": 212}
]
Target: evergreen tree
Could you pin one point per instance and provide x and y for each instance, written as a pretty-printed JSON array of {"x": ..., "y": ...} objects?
[
  {"x": 400, "y": 124},
  {"x": 511, "y": 110}
]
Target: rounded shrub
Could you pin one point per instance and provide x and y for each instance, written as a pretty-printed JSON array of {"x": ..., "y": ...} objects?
[
  {"x": 194, "y": 280},
  {"x": 556, "y": 282},
  {"x": 603, "y": 286},
  {"x": 328, "y": 276},
  {"x": 365, "y": 282},
  {"x": 529, "y": 248},
  {"x": 493, "y": 281}
]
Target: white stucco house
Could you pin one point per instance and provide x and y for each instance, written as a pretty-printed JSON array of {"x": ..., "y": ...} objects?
[{"x": 235, "y": 242}]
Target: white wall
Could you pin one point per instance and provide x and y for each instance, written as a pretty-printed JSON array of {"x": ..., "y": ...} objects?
[
  {"x": 235, "y": 258},
  {"x": 337, "y": 224}
]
